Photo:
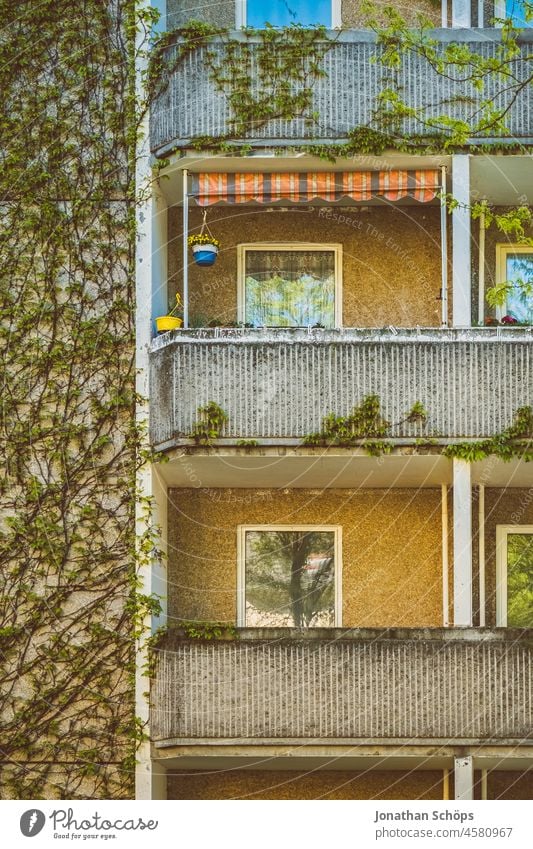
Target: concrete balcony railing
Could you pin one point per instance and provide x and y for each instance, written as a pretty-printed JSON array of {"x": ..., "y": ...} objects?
[
  {"x": 278, "y": 385},
  {"x": 412, "y": 686},
  {"x": 345, "y": 98}
]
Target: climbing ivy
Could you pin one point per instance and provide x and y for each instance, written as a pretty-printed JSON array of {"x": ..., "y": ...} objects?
[
  {"x": 72, "y": 606},
  {"x": 516, "y": 441},
  {"x": 364, "y": 427}
]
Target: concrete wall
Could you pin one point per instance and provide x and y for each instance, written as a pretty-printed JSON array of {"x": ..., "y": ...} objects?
[
  {"x": 249, "y": 784},
  {"x": 392, "y": 573},
  {"x": 391, "y": 259}
]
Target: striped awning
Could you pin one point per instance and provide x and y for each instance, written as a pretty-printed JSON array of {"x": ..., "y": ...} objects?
[{"x": 330, "y": 186}]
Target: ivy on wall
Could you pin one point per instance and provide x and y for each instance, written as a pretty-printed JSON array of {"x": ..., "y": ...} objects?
[{"x": 70, "y": 608}]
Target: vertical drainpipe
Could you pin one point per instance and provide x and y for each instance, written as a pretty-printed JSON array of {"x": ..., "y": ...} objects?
[
  {"x": 445, "y": 558},
  {"x": 481, "y": 550},
  {"x": 185, "y": 174},
  {"x": 481, "y": 275},
  {"x": 444, "y": 250},
  {"x": 444, "y": 13}
]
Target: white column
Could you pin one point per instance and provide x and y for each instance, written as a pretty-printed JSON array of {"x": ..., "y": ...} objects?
[
  {"x": 464, "y": 778},
  {"x": 461, "y": 13},
  {"x": 462, "y": 544},
  {"x": 149, "y": 780},
  {"x": 461, "y": 273},
  {"x": 159, "y": 259}
]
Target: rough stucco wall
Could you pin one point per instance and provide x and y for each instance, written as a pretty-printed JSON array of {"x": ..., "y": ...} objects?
[
  {"x": 391, "y": 259},
  {"x": 221, "y": 13},
  {"x": 502, "y": 507},
  {"x": 392, "y": 572},
  {"x": 353, "y": 17},
  {"x": 510, "y": 785},
  {"x": 248, "y": 784}
]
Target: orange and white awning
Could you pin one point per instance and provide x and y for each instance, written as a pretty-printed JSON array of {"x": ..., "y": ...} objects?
[{"x": 329, "y": 186}]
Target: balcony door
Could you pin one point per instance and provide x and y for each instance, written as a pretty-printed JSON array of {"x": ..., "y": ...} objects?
[{"x": 514, "y": 576}]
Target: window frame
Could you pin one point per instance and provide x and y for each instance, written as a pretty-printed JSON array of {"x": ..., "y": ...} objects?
[
  {"x": 502, "y": 252},
  {"x": 241, "y": 16},
  {"x": 502, "y": 532},
  {"x": 242, "y": 530},
  {"x": 334, "y": 247}
]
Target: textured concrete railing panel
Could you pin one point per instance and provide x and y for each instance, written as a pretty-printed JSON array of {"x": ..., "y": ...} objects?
[
  {"x": 361, "y": 689},
  {"x": 346, "y": 97},
  {"x": 281, "y": 385}
]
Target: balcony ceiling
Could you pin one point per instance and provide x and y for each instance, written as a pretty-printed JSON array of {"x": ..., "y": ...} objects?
[
  {"x": 504, "y": 179},
  {"x": 339, "y": 468}
]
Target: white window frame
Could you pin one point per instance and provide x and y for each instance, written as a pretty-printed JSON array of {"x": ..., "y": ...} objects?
[
  {"x": 502, "y": 251},
  {"x": 240, "y": 14},
  {"x": 242, "y": 530},
  {"x": 502, "y": 532},
  {"x": 336, "y": 248}
]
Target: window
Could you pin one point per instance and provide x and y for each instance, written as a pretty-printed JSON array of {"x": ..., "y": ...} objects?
[
  {"x": 290, "y": 285},
  {"x": 514, "y": 266},
  {"x": 281, "y": 13},
  {"x": 514, "y": 576},
  {"x": 516, "y": 10},
  {"x": 289, "y": 576}
]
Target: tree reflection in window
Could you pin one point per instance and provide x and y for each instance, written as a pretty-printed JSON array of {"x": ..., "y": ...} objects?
[
  {"x": 290, "y": 288},
  {"x": 520, "y": 580},
  {"x": 290, "y": 578}
]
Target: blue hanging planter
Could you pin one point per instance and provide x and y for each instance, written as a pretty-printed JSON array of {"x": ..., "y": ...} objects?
[{"x": 205, "y": 254}]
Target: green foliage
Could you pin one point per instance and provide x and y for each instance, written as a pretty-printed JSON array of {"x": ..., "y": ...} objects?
[
  {"x": 72, "y": 606},
  {"x": 208, "y": 630},
  {"x": 286, "y": 62},
  {"x": 364, "y": 425},
  {"x": 212, "y": 419},
  {"x": 516, "y": 441},
  {"x": 417, "y": 413},
  {"x": 247, "y": 443}
]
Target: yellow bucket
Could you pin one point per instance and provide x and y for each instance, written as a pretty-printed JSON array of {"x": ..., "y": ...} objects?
[{"x": 167, "y": 322}]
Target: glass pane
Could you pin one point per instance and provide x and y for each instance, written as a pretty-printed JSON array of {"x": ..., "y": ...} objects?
[
  {"x": 519, "y": 304},
  {"x": 520, "y": 580},
  {"x": 290, "y": 288},
  {"x": 290, "y": 579},
  {"x": 281, "y": 13},
  {"x": 517, "y": 11}
]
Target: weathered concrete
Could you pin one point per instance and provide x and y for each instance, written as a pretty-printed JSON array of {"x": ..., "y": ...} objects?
[
  {"x": 279, "y": 384},
  {"x": 472, "y": 688},
  {"x": 345, "y": 98}
]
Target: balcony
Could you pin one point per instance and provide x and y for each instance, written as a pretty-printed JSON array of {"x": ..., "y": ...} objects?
[
  {"x": 277, "y": 385},
  {"x": 345, "y": 98},
  {"x": 359, "y": 686}
]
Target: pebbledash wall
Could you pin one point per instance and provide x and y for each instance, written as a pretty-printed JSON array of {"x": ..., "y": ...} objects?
[
  {"x": 392, "y": 548},
  {"x": 391, "y": 259},
  {"x": 423, "y": 785}
]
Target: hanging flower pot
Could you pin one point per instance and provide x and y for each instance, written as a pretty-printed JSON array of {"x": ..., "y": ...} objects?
[
  {"x": 205, "y": 254},
  {"x": 204, "y": 245},
  {"x": 164, "y": 323}
]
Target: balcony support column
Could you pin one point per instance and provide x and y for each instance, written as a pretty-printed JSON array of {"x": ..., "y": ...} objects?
[
  {"x": 461, "y": 253},
  {"x": 462, "y": 544},
  {"x": 461, "y": 13},
  {"x": 464, "y": 778}
]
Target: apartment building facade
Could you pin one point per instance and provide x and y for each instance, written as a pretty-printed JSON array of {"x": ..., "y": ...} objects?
[{"x": 344, "y": 505}]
